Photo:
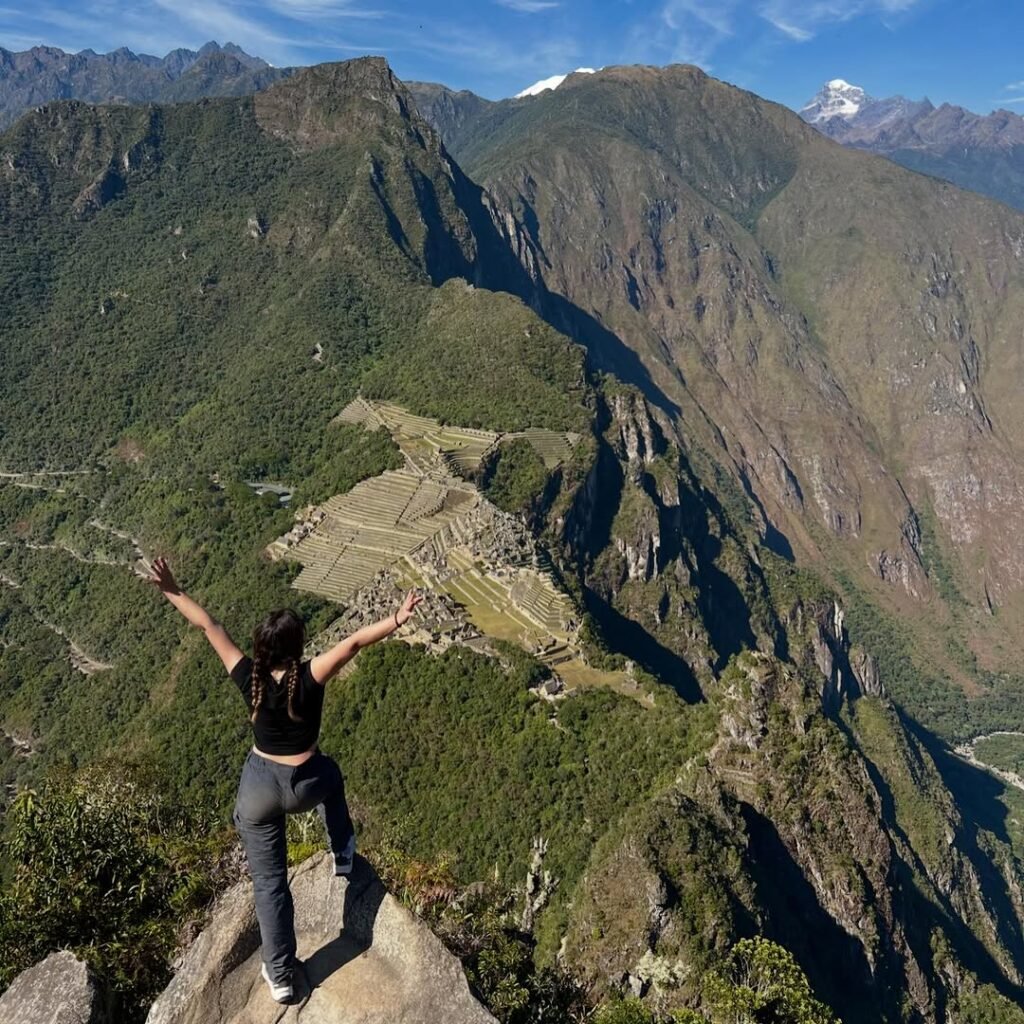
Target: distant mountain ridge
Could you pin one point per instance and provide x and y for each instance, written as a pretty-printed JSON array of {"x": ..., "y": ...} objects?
[
  {"x": 982, "y": 152},
  {"x": 43, "y": 74}
]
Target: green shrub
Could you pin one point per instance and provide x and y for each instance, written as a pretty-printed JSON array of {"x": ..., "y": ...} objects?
[
  {"x": 625, "y": 1011},
  {"x": 760, "y": 981},
  {"x": 104, "y": 863},
  {"x": 514, "y": 476}
]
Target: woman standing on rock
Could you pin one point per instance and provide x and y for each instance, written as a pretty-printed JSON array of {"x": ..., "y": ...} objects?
[{"x": 284, "y": 773}]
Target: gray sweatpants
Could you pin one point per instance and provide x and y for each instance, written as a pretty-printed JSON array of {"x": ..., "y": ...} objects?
[{"x": 267, "y": 792}]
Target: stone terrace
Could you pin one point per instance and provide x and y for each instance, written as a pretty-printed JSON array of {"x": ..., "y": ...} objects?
[
  {"x": 371, "y": 527},
  {"x": 427, "y": 443}
]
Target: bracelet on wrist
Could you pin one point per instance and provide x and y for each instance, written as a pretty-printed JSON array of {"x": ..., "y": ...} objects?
[{"x": 398, "y": 625}]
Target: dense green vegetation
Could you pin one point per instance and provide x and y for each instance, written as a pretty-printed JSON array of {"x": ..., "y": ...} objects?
[
  {"x": 1004, "y": 751},
  {"x": 200, "y": 331},
  {"x": 107, "y": 864},
  {"x": 514, "y": 476},
  {"x": 484, "y": 360},
  {"x": 477, "y": 766}
]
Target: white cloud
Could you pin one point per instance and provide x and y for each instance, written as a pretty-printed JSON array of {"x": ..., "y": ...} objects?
[
  {"x": 692, "y": 31},
  {"x": 678, "y": 32},
  {"x": 315, "y": 10},
  {"x": 1014, "y": 87},
  {"x": 803, "y": 19},
  {"x": 801, "y": 35},
  {"x": 716, "y": 17}
]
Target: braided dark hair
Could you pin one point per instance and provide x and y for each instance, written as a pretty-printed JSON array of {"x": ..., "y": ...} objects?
[
  {"x": 292, "y": 679},
  {"x": 258, "y": 684},
  {"x": 278, "y": 640}
]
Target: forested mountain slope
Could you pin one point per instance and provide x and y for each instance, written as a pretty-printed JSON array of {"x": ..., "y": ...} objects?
[{"x": 190, "y": 294}]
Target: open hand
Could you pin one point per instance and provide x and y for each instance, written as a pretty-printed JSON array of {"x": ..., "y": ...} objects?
[
  {"x": 404, "y": 614},
  {"x": 159, "y": 574}
]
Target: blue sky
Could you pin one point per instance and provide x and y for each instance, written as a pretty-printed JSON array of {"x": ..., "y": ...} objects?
[{"x": 960, "y": 51}]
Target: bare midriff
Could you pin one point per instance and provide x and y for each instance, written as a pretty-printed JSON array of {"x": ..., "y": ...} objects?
[{"x": 291, "y": 759}]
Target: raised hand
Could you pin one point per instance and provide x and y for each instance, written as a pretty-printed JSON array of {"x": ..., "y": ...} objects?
[
  {"x": 159, "y": 574},
  {"x": 404, "y": 614}
]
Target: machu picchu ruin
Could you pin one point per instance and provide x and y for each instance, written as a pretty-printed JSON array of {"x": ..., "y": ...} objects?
[{"x": 427, "y": 525}]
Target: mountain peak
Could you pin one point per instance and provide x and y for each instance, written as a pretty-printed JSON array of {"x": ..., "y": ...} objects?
[
  {"x": 551, "y": 83},
  {"x": 314, "y": 107},
  {"x": 837, "y": 98}
]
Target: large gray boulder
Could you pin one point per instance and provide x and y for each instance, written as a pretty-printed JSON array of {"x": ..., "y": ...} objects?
[
  {"x": 59, "y": 990},
  {"x": 366, "y": 960}
]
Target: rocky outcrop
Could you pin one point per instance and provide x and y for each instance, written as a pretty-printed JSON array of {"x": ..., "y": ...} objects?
[
  {"x": 639, "y": 438},
  {"x": 365, "y": 959},
  {"x": 836, "y": 837},
  {"x": 321, "y": 105},
  {"x": 59, "y": 990}
]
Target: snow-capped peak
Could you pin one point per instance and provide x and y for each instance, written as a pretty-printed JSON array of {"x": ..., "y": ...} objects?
[
  {"x": 837, "y": 99},
  {"x": 551, "y": 83}
]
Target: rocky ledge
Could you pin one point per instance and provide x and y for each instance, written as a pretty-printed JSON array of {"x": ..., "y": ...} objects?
[{"x": 365, "y": 960}]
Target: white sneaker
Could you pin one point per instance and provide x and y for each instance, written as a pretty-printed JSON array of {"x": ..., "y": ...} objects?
[
  {"x": 344, "y": 861},
  {"x": 280, "y": 993}
]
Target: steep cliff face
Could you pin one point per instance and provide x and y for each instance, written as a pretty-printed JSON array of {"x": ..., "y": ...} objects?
[
  {"x": 655, "y": 549},
  {"x": 837, "y": 332},
  {"x": 679, "y": 281}
]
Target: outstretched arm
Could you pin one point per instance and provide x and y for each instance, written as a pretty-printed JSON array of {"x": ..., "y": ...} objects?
[
  {"x": 160, "y": 575},
  {"x": 325, "y": 665}
]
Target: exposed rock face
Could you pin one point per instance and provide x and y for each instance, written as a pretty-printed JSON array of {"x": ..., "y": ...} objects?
[
  {"x": 60, "y": 990},
  {"x": 322, "y": 105},
  {"x": 656, "y": 548},
  {"x": 639, "y": 436},
  {"x": 365, "y": 960}
]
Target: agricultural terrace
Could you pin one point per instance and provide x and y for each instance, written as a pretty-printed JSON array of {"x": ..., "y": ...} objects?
[
  {"x": 426, "y": 525},
  {"x": 427, "y": 444}
]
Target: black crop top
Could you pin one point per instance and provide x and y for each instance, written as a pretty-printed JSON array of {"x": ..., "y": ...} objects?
[{"x": 274, "y": 731}]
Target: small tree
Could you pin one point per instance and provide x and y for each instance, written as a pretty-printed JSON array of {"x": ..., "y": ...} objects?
[{"x": 761, "y": 982}]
